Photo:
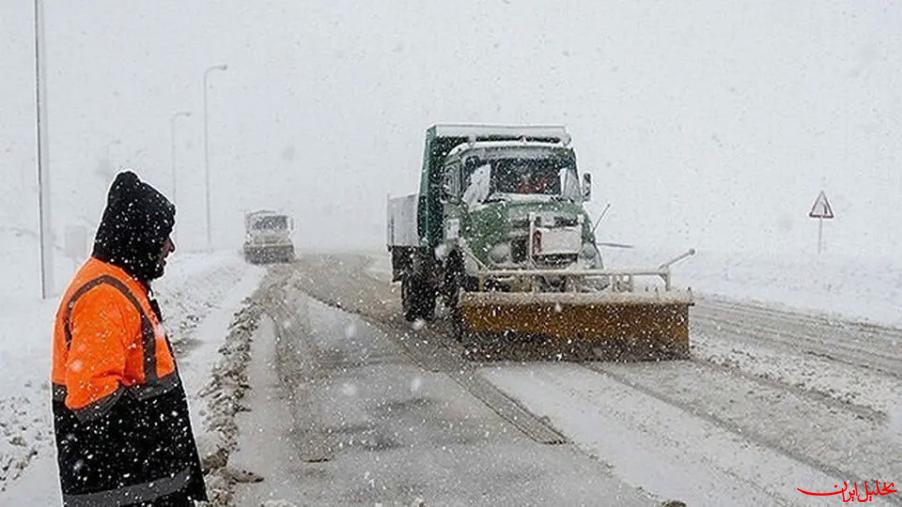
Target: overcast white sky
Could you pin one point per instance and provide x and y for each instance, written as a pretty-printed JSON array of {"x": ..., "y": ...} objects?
[{"x": 706, "y": 123}]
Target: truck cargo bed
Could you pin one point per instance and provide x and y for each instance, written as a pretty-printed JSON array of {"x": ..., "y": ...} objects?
[{"x": 402, "y": 222}]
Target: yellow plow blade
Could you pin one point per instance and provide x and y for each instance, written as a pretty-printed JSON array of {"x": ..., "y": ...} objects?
[{"x": 604, "y": 325}]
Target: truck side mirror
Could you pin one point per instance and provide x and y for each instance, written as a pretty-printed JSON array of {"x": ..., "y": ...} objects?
[{"x": 587, "y": 187}]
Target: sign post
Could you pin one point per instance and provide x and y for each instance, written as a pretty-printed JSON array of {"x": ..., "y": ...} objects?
[{"x": 820, "y": 211}]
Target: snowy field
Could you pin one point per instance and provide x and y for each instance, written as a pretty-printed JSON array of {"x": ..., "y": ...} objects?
[{"x": 198, "y": 296}]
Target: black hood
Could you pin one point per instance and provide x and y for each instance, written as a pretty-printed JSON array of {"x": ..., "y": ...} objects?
[{"x": 135, "y": 224}]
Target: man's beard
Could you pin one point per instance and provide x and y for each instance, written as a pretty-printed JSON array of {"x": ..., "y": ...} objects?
[{"x": 159, "y": 268}]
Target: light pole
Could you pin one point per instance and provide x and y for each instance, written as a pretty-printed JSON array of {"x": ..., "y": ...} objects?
[
  {"x": 44, "y": 217},
  {"x": 222, "y": 67},
  {"x": 175, "y": 116}
]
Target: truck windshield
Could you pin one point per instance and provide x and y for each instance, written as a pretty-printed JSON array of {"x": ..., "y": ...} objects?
[
  {"x": 526, "y": 176},
  {"x": 271, "y": 223},
  {"x": 507, "y": 177}
]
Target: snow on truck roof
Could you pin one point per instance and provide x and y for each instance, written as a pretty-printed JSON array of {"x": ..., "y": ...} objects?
[
  {"x": 489, "y": 145},
  {"x": 263, "y": 212},
  {"x": 508, "y": 131}
]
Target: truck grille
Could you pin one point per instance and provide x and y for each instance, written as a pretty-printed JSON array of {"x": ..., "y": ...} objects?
[{"x": 518, "y": 249}]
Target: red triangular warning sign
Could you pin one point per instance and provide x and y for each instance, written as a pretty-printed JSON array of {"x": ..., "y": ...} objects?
[{"x": 821, "y": 208}]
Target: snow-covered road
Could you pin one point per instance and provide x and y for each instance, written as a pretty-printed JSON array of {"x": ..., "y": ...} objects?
[
  {"x": 770, "y": 401},
  {"x": 370, "y": 425}
]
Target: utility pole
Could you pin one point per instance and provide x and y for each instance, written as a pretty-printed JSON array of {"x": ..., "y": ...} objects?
[
  {"x": 222, "y": 67},
  {"x": 44, "y": 215}
]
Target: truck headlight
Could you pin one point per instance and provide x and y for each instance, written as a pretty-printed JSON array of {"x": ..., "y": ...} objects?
[
  {"x": 500, "y": 253},
  {"x": 588, "y": 251}
]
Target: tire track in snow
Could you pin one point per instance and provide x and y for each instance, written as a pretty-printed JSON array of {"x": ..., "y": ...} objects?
[
  {"x": 744, "y": 429},
  {"x": 794, "y": 340},
  {"x": 652, "y": 444},
  {"x": 837, "y": 323}
]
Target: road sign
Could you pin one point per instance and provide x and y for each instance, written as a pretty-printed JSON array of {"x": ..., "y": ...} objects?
[
  {"x": 820, "y": 211},
  {"x": 821, "y": 208}
]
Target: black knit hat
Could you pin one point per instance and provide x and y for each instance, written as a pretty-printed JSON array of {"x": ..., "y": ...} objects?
[{"x": 135, "y": 224}]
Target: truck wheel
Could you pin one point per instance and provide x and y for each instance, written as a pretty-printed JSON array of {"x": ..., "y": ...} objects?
[
  {"x": 455, "y": 281},
  {"x": 452, "y": 282},
  {"x": 417, "y": 299},
  {"x": 427, "y": 302},
  {"x": 407, "y": 299}
]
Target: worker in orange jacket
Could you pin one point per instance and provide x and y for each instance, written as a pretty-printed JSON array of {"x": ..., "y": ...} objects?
[{"x": 123, "y": 435}]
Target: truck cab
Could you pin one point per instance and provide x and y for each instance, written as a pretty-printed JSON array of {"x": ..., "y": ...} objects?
[
  {"x": 268, "y": 237},
  {"x": 491, "y": 197},
  {"x": 515, "y": 204}
]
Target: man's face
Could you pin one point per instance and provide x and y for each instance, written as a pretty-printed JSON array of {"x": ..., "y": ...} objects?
[{"x": 168, "y": 248}]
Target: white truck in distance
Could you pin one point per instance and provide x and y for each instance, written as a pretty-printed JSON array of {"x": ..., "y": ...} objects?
[{"x": 268, "y": 237}]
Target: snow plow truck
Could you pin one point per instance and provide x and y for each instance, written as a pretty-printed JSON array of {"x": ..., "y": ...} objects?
[{"x": 499, "y": 233}]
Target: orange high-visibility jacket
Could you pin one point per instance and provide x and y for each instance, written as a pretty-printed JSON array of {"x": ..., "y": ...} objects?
[{"x": 107, "y": 342}]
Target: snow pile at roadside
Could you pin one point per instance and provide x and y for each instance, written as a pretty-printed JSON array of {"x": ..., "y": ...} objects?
[
  {"x": 222, "y": 397},
  {"x": 184, "y": 305},
  {"x": 26, "y": 429},
  {"x": 860, "y": 287},
  {"x": 22, "y": 432}
]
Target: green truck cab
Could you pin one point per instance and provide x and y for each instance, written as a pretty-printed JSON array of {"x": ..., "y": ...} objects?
[{"x": 491, "y": 198}]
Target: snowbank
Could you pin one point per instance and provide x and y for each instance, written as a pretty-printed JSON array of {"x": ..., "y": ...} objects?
[
  {"x": 221, "y": 401},
  {"x": 25, "y": 422}
]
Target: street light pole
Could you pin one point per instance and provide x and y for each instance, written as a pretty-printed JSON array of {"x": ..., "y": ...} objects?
[
  {"x": 175, "y": 116},
  {"x": 222, "y": 67},
  {"x": 44, "y": 216}
]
